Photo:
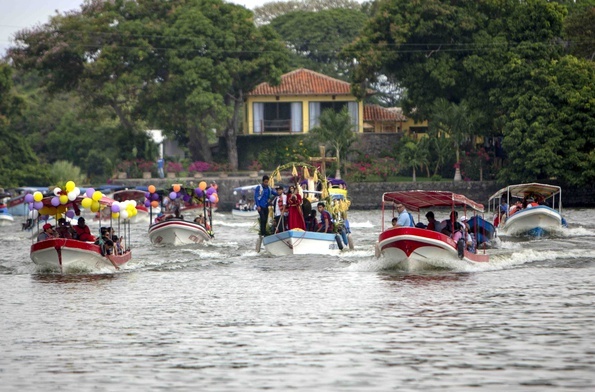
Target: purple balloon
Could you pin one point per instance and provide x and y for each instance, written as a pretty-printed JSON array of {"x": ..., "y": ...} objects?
[
  {"x": 30, "y": 206},
  {"x": 147, "y": 203},
  {"x": 212, "y": 198},
  {"x": 89, "y": 192},
  {"x": 115, "y": 208},
  {"x": 29, "y": 198},
  {"x": 198, "y": 192},
  {"x": 55, "y": 201},
  {"x": 44, "y": 217},
  {"x": 38, "y": 205},
  {"x": 155, "y": 196},
  {"x": 173, "y": 195},
  {"x": 186, "y": 198},
  {"x": 70, "y": 214},
  {"x": 210, "y": 191}
]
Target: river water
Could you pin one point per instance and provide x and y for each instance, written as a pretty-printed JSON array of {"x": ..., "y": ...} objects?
[{"x": 224, "y": 318}]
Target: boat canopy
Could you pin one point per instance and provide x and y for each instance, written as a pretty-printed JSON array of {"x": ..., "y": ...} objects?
[
  {"x": 128, "y": 194},
  {"x": 530, "y": 189},
  {"x": 417, "y": 200},
  {"x": 246, "y": 188}
]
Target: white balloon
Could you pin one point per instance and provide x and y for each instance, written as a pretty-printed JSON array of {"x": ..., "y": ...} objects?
[
  {"x": 71, "y": 195},
  {"x": 57, "y": 191},
  {"x": 124, "y": 214},
  {"x": 33, "y": 214},
  {"x": 77, "y": 190}
]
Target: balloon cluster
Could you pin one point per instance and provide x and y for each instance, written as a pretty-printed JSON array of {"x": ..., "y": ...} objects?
[
  {"x": 209, "y": 193},
  {"x": 124, "y": 209},
  {"x": 91, "y": 200},
  {"x": 58, "y": 201}
]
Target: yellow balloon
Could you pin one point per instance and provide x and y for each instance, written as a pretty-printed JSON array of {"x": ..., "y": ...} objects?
[
  {"x": 69, "y": 186},
  {"x": 61, "y": 209},
  {"x": 63, "y": 199},
  {"x": 115, "y": 215},
  {"x": 95, "y": 206},
  {"x": 52, "y": 211},
  {"x": 44, "y": 211},
  {"x": 37, "y": 196},
  {"x": 86, "y": 203},
  {"x": 97, "y": 196},
  {"x": 202, "y": 185}
]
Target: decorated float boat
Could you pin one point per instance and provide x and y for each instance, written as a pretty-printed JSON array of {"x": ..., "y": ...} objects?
[
  {"x": 413, "y": 248},
  {"x": 533, "y": 209},
  {"x": 296, "y": 241},
  {"x": 170, "y": 228},
  {"x": 68, "y": 254}
]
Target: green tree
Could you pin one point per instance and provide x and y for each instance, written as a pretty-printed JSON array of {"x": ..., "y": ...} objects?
[
  {"x": 579, "y": 30},
  {"x": 412, "y": 154},
  {"x": 273, "y": 9},
  {"x": 337, "y": 131},
  {"x": 316, "y": 38}
]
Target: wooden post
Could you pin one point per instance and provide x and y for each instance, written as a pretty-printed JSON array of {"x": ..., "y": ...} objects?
[{"x": 323, "y": 160}]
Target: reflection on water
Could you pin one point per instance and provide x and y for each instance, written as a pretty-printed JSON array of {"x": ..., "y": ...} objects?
[{"x": 224, "y": 317}]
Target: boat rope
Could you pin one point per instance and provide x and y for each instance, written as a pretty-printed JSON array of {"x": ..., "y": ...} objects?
[{"x": 288, "y": 241}]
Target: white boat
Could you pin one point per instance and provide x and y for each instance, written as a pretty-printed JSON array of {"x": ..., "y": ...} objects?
[
  {"x": 244, "y": 214},
  {"x": 176, "y": 231},
  {"x": 64, "y": 254},
  {"x": 300, "y": 242},
  {"x": 536, "y": 218},
  {"x": 412, "y": 248},
  {"x": 244, "y": 207},
  {"x": 6, "y": 218}
]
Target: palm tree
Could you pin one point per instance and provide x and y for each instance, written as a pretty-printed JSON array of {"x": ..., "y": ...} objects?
[
  {"x": 456, "y": 121},
  {"x": 336, "y": 130},
  {"x": 413, "y": 155}
]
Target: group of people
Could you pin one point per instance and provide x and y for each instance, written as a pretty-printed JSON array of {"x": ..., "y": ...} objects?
[
  {"x": 459, "y": 231},
  {"x": 529, "y": 201},
  {"x": 287, "y": 210},
  {"x": 108, "y": 242}
]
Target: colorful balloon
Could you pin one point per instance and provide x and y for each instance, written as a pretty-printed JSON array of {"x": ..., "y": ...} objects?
[
  {"x": 70, "y": 186},
  {"x": 155, "y": 196},
  {"x": 89, "y": 192},
  {"x": 72, "y": 195},
  {"x": 152, "y": 188},
  {"x": 38, "y": 205},
  {"x": 29, "y": 198},
  {"x": 154, "y": 204},
  {"x": 213, "y": 198},
  {"x": 87, "y": 202},
  {"x": 173, "y": 195},
  {"x": 37, "y": 196},
  {"x": 202, "y": 185},
  {"x": 176, "y": 187},
  {"x": 55, "y": 201},
  {"x": 63, "y": 199},
  {"x": 70, "y": 214},
  {"x": 115, "y": 215},
  {"x": 147, "y": 203},
  {"x": 57, "y": 191}
]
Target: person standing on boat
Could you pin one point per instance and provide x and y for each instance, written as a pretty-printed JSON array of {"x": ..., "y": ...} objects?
[
  {"x": 295, "y": 215},
  {"x": 405, "y": 218},
  {"x": 280, "y": 210},
  {"x": 262, "y": 194}
]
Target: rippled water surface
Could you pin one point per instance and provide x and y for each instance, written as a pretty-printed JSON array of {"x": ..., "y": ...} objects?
[{"x": 223, "y": 317}]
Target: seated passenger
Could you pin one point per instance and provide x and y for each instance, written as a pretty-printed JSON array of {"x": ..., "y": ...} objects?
[
  {"x": 311, "y": 221},
  {"x": 64, "y": 230},
  {"x": 394, "y": 222},
  {"x": 432, "y": 222},
  {"x": 82, "y": 231},
  {"x": 531, "y": 203},
  {"x": 516, "y": 207},
  {"x": 47, "y": 233},
  {"x": 452, "y": 226}
]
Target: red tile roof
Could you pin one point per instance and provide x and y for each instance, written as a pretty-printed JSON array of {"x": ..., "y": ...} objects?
[
  {"x": 379, "y": 113},
  {"x": 304, "y": 82}
]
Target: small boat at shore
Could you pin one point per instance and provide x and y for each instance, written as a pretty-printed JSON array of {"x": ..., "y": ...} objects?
[
  {"x": 6, "y": 218},
  {"x": 413, "y": 248},
  {"x": 537, "y": 211}
]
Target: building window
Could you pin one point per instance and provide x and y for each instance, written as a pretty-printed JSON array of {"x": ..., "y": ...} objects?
[
  {"x": 277, "y": 117},
  {"x": 316, "y": 108}
]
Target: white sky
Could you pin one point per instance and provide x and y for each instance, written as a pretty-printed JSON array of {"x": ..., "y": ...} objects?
[{"x": 19, "y": 14}]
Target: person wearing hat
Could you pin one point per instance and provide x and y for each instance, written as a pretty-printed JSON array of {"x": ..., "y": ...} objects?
[
  {"x": 47, "y": 233},
  {"x": 64, "y": 229},
  {"x": 83, "y": 232}
]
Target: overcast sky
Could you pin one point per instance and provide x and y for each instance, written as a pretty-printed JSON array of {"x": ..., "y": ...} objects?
[{"x": 16, "y": 15}]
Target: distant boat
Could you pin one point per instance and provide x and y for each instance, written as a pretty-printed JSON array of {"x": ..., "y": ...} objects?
[
  {"x": 6, "y": 218},
  {"x": 540, "y": 213},
  {"x": 17, "y": 205},
  {"x": 244, "y": 208}
]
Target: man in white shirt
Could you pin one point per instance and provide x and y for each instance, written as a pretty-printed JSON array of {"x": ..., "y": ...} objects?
[{"x": 280, "y": 211}]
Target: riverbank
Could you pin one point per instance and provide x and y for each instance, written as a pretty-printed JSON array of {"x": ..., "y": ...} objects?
[{"x": 366, "y": 195}]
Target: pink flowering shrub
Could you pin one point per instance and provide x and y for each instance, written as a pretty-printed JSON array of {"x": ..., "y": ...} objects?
[{"x": 199, "y": 167}]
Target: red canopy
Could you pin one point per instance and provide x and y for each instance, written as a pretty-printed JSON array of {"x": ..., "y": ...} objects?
[
  {"x": 129, "y": 194},
  {"x": 416, "y": 200}
]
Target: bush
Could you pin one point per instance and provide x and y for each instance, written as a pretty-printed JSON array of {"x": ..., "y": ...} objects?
[
  {"x": 199, "y": 167},
  {"x": 436, "y": 177},
  {"x": 174, "y": 167}
]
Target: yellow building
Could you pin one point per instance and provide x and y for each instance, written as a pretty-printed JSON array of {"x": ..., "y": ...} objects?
[{"x": 294, "y": 107}]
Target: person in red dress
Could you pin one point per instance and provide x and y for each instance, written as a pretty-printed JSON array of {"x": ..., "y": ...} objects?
[{"x": 294, "y": 204}]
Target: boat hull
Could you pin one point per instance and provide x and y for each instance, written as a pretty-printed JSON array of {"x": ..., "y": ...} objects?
[
  {"x": 299, "y": 242},
  {"x": 6, "y": 219},
  {"x": 64, "y": 254},
  {"x": 535, "y": 221},
  {"x": 177, "y": 232},
  {"x": 413, "y": 249}
]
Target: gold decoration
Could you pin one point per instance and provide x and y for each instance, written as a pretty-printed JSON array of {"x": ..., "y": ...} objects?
[{"x": 306, "y": 172}]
